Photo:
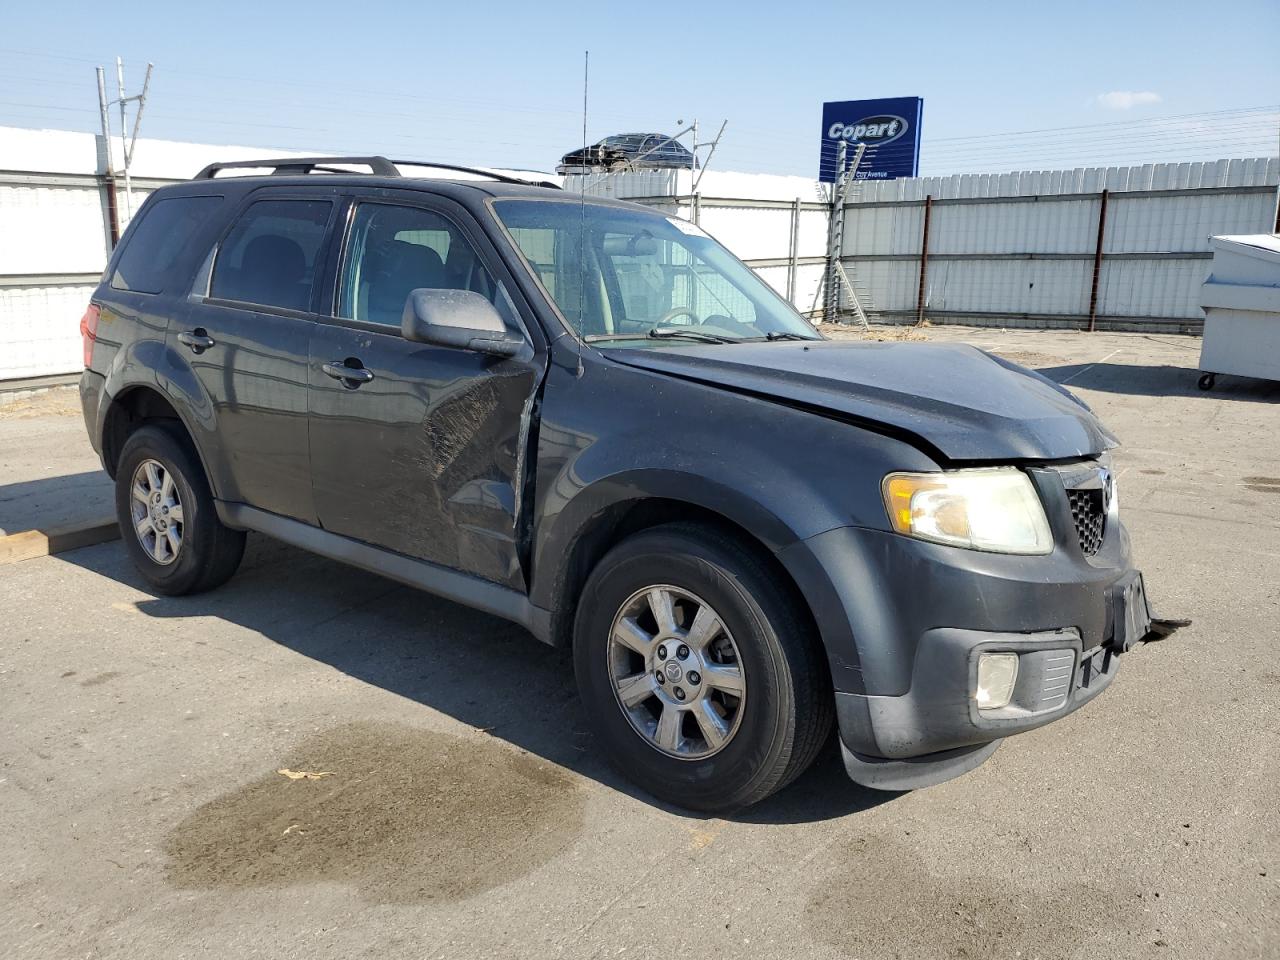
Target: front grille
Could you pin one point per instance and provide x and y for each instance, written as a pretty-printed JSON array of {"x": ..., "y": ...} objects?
[{"x": 1089, "y": 511}]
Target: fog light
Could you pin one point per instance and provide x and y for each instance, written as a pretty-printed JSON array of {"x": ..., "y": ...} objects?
[{"x": 997, "y": 673}]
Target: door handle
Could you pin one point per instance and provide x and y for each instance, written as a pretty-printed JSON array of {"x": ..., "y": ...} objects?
[
  {"x": 350, "y": 376},
  {"x": 198, "y": 340}
]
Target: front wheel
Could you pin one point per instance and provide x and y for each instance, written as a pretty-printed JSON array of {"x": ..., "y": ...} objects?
[
  {"x": 167, "y": 518},
  {"x": 699, "y": 669}
]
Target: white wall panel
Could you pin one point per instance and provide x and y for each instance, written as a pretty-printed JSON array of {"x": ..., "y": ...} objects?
[
  {"x": 1049, "y": 227},
  {"x": 40, "y": 330},
  {"x": 812, "y": 236},
  {"x": 46, "y": 229},
  {"x": 1008, "y": 286},
  {"x": 1138, "y": 224},
  {"x": 752, "y": 233}
]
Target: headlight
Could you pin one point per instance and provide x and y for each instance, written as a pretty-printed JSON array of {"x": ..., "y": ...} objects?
[{"x": 995, "y": 509}]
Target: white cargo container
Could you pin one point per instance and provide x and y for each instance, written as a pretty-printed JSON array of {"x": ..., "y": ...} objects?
[{"x": 1241, "y": 301}]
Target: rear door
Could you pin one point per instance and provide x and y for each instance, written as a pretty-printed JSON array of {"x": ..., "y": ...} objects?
[
  {"x": 246, "y": 335},
  {"x": 420, "y": 450}
]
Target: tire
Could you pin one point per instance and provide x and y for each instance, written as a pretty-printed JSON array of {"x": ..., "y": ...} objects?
[
  {"x": 207, "y": 553},
  {"x": 784, "y": 715}
]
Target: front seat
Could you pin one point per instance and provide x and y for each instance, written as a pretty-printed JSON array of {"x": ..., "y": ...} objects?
[{"x": 399, "y": 268}]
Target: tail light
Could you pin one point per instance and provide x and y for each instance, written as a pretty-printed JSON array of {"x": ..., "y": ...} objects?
[{"x": 89, "y": 331}]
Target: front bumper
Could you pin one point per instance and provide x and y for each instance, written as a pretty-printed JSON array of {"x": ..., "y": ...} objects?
[
  {"x": 935, "y": 730},
  {"x": 904, "y": 622}
]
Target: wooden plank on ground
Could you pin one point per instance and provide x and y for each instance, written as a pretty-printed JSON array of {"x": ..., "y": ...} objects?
[{"x": 29, "y": 544}]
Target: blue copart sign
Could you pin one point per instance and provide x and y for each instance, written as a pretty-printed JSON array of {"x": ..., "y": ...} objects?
[{"x": 890, "y": 128}]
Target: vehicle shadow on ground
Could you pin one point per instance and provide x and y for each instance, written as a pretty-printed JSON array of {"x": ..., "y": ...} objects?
[
  {"x": 1160, "y": 381},
  {"x": 482, "y": 671}
]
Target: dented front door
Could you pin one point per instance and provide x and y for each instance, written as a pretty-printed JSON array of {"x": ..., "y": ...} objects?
[
  {"x": 414, "y": 447},
  {"x": 424, "y": 457}
]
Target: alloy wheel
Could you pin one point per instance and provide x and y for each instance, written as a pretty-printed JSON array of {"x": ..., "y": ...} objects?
[
  {"x": 156, "y": 509},
  {"x": 676, "y": 672}
]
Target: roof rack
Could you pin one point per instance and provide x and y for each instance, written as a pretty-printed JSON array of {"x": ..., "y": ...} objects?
[
  {"x": 378, "y": 166},
  {"x": 479, "y": 171}
]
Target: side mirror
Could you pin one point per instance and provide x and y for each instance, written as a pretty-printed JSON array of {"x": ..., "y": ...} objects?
[{"x": 457, "y": 318}]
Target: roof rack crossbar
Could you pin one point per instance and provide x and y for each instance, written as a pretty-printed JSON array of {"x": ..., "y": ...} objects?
[
  {"x": 378, "y": 166},
  {"x": 479, "y": 171}
]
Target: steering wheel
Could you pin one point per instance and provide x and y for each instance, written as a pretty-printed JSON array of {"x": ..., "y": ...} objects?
[{"x": 677, "y": 312}]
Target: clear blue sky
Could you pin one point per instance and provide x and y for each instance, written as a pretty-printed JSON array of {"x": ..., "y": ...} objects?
[{"x": 500, "y": 83}]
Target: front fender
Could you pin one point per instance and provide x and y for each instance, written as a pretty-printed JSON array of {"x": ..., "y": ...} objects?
[{"x": 618, "y": 435}]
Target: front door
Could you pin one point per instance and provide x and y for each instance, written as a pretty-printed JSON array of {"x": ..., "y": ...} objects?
[
  {"x": 417, "y": 448},
  {"x": 247, "y": 343}
]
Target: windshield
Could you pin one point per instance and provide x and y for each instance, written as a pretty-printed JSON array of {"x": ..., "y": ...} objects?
[{"x": 635, "y": 275}]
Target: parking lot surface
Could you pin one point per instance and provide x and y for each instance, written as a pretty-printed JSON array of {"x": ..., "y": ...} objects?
[{"x": 316, "y": 762}]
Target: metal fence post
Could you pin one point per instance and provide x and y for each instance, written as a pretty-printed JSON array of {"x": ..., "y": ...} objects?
[
  {"x": 924, "y": 259},
  {"x": 1097, "y": 261},
  {"x": 793, "y": 252}
]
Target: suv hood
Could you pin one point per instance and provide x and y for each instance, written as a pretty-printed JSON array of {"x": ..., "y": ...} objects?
[{"x": 963, "y": 403}]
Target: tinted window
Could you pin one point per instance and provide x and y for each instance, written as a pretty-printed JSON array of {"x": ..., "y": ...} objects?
[
  {"x": 394, "y": 250},
  {"x": 165, "y": 232},
  {"x": 270, "y": 255}
]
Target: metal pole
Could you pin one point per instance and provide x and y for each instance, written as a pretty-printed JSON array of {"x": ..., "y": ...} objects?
[
  {"x": 1097, "y": 262},
  {"x": 834, "y": 237},
  {"x": 710, "y": 153},
  {"x": 113, "y": 217},
  {"x": 924, "y": 259},
  {"x": 124, "y": 147},
  {"x": 142, "y": 104},
  {"x": 793, "y": 252}
]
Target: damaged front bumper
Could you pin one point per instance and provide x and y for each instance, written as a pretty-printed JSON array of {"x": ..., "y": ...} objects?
[{"x": 908, "y": 714}]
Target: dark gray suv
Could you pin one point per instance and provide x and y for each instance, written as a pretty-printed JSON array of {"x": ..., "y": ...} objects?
[{"x": 589, "y": 418}]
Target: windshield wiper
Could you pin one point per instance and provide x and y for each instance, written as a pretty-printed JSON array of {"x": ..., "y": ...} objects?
[
  {"x": 663, "y": 333},
  {"x": 775, "y": 335},
  {"x": 678, "y": 333}
]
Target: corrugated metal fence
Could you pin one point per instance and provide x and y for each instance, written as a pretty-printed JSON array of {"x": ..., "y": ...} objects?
[{"x": 1125, "y": 247}]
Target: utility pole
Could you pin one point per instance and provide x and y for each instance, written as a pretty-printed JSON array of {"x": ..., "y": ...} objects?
[
  {"x": 113, "y": 215},
  {"x": 127, "y": 141}
]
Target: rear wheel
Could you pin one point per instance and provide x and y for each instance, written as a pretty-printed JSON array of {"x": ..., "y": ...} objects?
[
  {"x": 167, "y": 517},
  {"x": 699, "y": 670}
]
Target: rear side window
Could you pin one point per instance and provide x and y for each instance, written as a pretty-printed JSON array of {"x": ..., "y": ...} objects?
[
  {"x": 269, "y": 257},
  {"x": 165, "y": 232}
]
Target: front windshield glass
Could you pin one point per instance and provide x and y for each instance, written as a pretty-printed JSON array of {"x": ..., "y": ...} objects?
[{"x": 636, "y": 275}]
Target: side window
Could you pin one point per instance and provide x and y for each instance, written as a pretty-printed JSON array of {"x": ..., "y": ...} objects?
[
  {"x": 394, "y": 250},
  {"x": 161, "y": 237},
  {"x": 269, "y": 257}
]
